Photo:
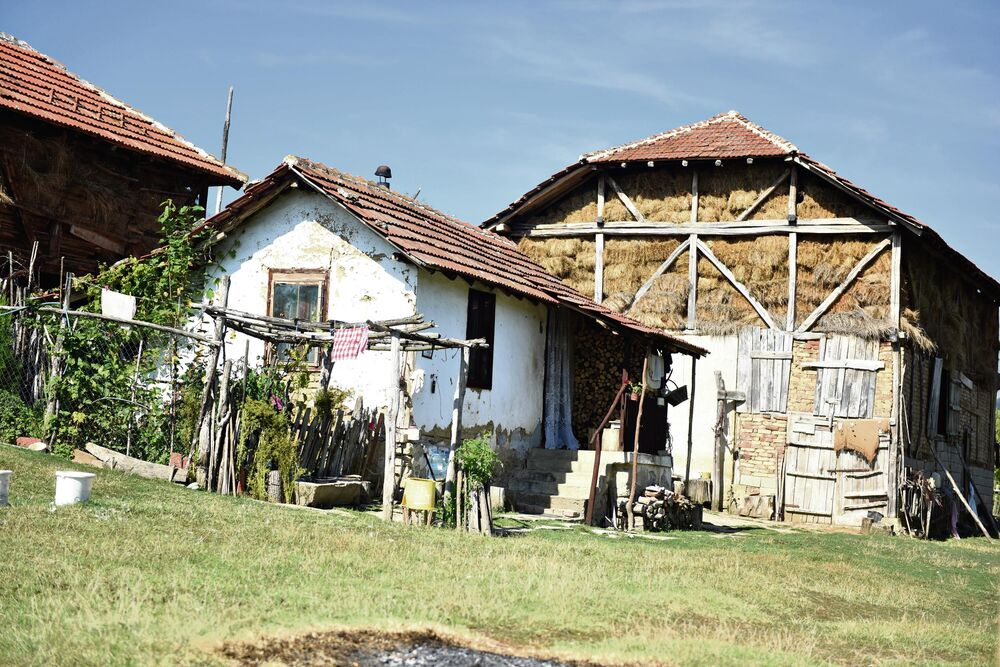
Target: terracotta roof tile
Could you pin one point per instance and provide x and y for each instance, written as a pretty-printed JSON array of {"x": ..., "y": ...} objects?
[
  {"x": 36, "y": 85},
  {"x": 435, "y": 239},
  {"x": 728, "y": 135}
]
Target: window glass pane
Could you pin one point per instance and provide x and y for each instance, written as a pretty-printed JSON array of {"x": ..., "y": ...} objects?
[
  {"x": 308, "y": 302},
  {"x": 296, "y": 301},
  {"x": 285, "y": 300}
]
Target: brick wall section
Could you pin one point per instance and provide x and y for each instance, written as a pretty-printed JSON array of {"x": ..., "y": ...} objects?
[
  {"x": 802, "y": 382},
  {"x": 761, "y": 440},
  {"x": 883, "y": 382}
]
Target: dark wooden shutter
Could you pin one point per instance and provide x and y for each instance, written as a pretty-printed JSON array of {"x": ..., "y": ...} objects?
[{"x": 480, "y": 324}]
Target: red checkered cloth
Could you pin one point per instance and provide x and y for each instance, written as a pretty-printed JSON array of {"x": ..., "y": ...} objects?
[{"x": 349, "y": 343}]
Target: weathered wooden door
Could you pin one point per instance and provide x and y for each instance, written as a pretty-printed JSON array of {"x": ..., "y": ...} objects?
[
  {"x": 862, "y": 487},
  {"x": 824, "y": 485},
  {"x": 809, "y": 486}
]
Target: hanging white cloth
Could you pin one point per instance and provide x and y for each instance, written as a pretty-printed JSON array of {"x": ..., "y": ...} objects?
[
  {"x": 654, "y": 371},
  {"x": 559, "y": 381}
]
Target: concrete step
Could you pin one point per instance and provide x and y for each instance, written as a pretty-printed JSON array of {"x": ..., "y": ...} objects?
[
  {"x": 539, "y": 501},
  {"x": 572, "y": 489}
]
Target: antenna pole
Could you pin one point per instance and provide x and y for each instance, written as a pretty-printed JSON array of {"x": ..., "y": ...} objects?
[{"x": 225, "y": 145}]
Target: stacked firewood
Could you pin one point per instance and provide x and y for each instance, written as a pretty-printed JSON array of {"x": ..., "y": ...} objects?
[{"x": 661, "y": 509}]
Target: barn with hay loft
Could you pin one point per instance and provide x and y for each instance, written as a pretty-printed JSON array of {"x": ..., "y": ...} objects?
[
  {"x": 82, "y": 174},
  {"x": 852, "y": 350}
]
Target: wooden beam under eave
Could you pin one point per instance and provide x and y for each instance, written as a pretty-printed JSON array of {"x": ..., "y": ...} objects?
[
  {"x": 743, "y": 228},
  {"x": 98, "y": 239}
]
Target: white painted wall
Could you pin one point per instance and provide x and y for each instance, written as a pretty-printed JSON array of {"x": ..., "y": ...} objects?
[
  {"x": 513, "y": 407},
  {"x": 722, "y": 357},
  {"x": 303, "y": 230}
]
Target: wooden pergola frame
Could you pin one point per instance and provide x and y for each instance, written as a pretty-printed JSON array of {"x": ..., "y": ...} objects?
[{"x": 399, "y": 335}]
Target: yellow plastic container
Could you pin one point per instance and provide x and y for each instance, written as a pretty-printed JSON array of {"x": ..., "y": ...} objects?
[{"x": 419, "y": 494}]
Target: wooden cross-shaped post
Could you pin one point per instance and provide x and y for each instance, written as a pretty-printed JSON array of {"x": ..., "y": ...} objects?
[
  {"x": 725, "y": 398},
  {"x": 389, "y": 473}
]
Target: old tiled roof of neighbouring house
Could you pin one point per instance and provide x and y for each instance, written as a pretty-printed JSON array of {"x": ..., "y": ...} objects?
[
  {"x": 728, "y": 135},
  {"x": 432, "y": 239},
  {"x": 34, "y": 84}
]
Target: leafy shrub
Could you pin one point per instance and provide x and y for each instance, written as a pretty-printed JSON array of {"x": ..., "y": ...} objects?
[
  {"x": 17, "y": 418},
  {"x": 478, "y": 460},
  {"x": 276, "y": 449}
]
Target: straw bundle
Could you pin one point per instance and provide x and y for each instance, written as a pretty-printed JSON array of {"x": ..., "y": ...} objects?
[
  {"x": 948, "y": 317},
  {"x": 570, "y": 260},
  {"x": 629, "y": 263},
  {"x": 823, "y": 263},
  {"x": 818, "y": 199},
  {"x": 661, "y": 195},
  {"x": 725, "y": 192},
  {"x": 761, "y": 264},
  {"x": 580, "y": 205}
]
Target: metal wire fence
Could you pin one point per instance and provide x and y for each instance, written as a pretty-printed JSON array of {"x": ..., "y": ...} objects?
[{"x": 71, "y": 379}]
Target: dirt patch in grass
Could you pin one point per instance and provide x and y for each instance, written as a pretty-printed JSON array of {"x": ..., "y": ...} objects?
[{"x": 366, "y": 648}]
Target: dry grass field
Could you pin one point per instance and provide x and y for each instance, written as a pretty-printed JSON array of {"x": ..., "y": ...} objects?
[{"x": 150, "y": 573}]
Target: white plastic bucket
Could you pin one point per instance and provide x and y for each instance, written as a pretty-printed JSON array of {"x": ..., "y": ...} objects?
[
  {"x": 4, "y": 486},
  {"x": 73, "y": 487}
]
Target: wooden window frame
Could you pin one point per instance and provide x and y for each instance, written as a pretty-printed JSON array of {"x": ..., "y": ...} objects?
[
  {"x": 481, "y": 360},
  {"x": 319, "y": 277}
]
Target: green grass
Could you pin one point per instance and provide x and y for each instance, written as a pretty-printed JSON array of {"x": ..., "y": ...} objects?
[{"x": 153, "y": 573}]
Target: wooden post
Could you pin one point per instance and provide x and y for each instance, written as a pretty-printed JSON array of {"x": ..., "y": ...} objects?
[
  {"x": 225, "y": 145},
  {"x": 459, "y": 519},
  {"x": 895, "y": 283},
  {"x": 719, "y": 481},
  {"x": 793, "y": 245},
  {"x": 597, "y": 444},
  {"x": 692, "y": 319},
  {"x": 635, "y": 446},
  {"x": 389, "y": 472},
  {"x": 599, "y": 267},
  {"x": 690, "y": 442},
  {"x": 221, "y": 417},
  {"x": 52, "y": 405},
  {"x": 200, "y": 441},
  {"x": 456, "y": 423}
]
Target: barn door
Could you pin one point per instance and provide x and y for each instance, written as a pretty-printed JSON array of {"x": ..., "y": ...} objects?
[
  {"x": 763, "y": 365},
  {"x": 845, "y": 380},
  {"x": 862, "y": 486},
  {"x": 826, "y": 481},
  {"x": 810, "y": 483}
]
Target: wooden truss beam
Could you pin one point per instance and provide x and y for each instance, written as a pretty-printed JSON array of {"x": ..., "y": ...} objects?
[
  {"x": 625, "y": 200},
  {"x": 743, "y": 228},
  {"x": 763, "y": 195},
  {"x": 667, "y": 263},
  {"x": 740, "y": 287},
  {"x": 835, "y": 294}
]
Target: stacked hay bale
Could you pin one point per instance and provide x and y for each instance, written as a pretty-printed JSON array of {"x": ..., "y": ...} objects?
[
  {"x": 628, "y": 263},
  {"x": 823, "y": 263},
  {"x": 572, "y": 260}
]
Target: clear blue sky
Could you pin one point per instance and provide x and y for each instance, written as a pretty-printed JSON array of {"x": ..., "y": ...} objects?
[{"x": 474, "y": 103}]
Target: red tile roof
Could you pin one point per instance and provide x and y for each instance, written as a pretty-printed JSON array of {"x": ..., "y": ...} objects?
[
  {"x": 34, "y": 84},
  {"x": 728, "y": 135},
  {"x": 433, "y": 239}
]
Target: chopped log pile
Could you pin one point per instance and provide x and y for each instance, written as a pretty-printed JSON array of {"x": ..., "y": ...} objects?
[{"x": 660, "y": 510}]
